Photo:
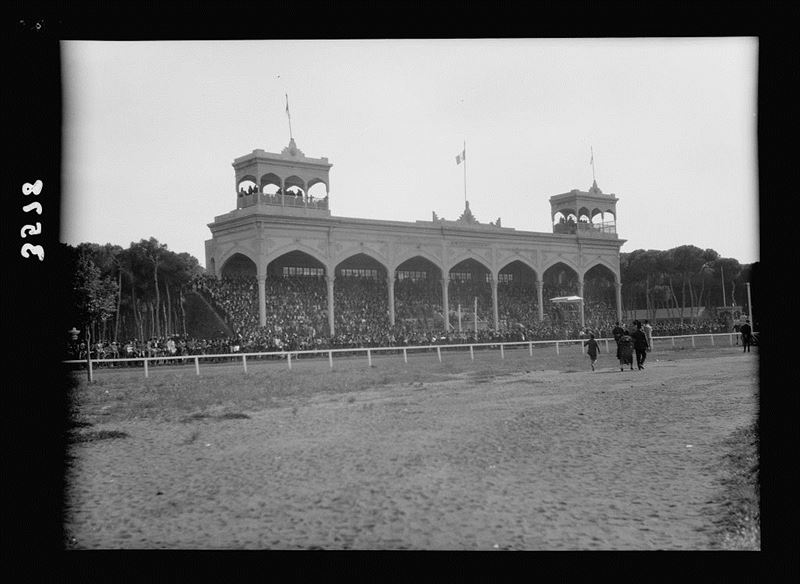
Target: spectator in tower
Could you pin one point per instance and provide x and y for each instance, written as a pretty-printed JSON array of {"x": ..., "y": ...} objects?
[
  {"x": 639, "y": 345},
  {"x": 747, "y": 335}
]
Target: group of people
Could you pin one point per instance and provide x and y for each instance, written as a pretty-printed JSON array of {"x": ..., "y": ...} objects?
[{"x": 638, "y": 341}]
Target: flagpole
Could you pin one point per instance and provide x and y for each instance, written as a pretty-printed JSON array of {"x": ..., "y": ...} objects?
[
  {"x": 288, "y": 115},
  {"x": 593, "y": 178},
  {"x": 465, "y": 171}
]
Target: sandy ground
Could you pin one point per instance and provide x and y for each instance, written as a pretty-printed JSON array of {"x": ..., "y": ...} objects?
[{"x": 542, "y": 460}]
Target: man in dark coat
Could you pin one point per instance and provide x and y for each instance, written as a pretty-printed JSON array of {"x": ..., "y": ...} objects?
[
  {"x": 746, "y": 331},
  {"x": 639, "y": 345}
]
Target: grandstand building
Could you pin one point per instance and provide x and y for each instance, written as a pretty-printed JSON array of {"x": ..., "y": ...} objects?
[{"x": 282, "y": 226}]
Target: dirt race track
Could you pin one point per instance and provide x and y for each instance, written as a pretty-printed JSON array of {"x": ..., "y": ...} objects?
[{"x": 530, "y": 460}]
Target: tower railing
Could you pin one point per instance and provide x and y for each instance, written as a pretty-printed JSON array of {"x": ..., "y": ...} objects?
[
  {"x": 283, "y": 200},
  {"x": 606, "y": 229}
]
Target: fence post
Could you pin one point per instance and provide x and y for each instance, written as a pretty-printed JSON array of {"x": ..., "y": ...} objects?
[
  {"x": 731, "y": 337},
  {"x": 712, "y": 340},
  {"x": 330, "y": 359},
  {"x": 439, "y": 353},
  {"x": 405, "y": 355},
  {"x": 244, "y": 362},
  {"x": 557, "y": 353},
  {"x": 471, "y": 353},
  {"x": 693, "y": 341},
  {"x": 673, "y": 341},
  {"x": 145, "y": 367},
  {"x": 530, "y": 349},
  {"x": 289, "y": 359},
  {"x": 369, "y": 357},
  {"x": 502, "y": 353},
  {"x": 197, "y": 365}
]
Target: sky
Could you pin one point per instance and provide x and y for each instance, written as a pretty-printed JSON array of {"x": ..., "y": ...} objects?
[{"x": 151, "y": 130}]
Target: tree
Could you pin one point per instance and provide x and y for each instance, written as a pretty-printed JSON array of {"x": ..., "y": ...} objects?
[{"x": 94, "y": 296}]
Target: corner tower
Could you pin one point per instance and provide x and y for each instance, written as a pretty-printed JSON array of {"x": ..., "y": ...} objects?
[
  {"x": 284, "y": 182},
  {"x": 586, "y": 213}
]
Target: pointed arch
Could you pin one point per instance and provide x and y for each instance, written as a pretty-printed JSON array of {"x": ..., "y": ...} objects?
[
  {"x": 518, "y": 258},
  {"x": 297, "y": 246},
  {"x": 421, "y": 252},
  {"x": 238, "y": 263},
  {"x": 350, "y": 258},
  {"x": 356, "y": 250},
  {"x": 470, "y": 255}
]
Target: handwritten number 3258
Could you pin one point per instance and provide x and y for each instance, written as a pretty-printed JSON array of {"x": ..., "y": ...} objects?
[{"x": 28, "y": 248}]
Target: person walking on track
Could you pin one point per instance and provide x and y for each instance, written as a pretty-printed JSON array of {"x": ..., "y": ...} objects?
[
  {"x": 639, "y": 345},
  {"x": 746, "y": 331},
  {"x": 592, "y": 349}
]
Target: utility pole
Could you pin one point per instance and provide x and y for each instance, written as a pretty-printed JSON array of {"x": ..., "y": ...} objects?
[{"x": 750, "y": 308}]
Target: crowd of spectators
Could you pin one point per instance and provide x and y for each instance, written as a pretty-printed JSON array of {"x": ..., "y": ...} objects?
[{"x": 297, "y": 318}]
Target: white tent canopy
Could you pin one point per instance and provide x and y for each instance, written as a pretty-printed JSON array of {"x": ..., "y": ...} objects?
[{"x": 566, "y": 299}]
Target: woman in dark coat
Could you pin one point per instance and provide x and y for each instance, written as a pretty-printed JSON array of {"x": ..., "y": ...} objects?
[{"x": 625, "y": 351}]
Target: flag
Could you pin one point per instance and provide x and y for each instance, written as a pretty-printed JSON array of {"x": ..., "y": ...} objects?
[{"x": 461, "y": 157}]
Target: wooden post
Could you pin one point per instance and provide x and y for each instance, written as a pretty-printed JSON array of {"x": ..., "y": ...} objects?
[
  {"x": 471, "y": 353},
  {"x": 405, "y": 355},
  {"x": 289, "y": 359},
  {"x": 197, "y": 365},
  {"x": 244, "y": 362},
  {"x": 369, "y": 357},
  {"x": 502, "y": 353},
  {"x": 145, "y": 367},
  {"x": 439, "y": 352},
  {"x": 330, "y": 359},
  {"x": 557, "y": 352}
]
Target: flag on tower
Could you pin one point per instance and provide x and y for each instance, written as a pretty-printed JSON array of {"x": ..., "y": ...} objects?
[{"x": 461, "y": 157}]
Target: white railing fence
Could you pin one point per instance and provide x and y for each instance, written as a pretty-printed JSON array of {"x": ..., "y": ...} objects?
[{"x": 368, "y": 352}]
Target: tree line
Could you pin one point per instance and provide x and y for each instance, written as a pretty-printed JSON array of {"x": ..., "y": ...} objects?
[
  {"x": 681, "y": 277},
  {"x": 138, "y": 292}
]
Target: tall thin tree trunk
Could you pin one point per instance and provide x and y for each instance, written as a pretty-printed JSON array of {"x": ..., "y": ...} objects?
[
  {"x": 683, "y": 297},
  {"x": 183, "y": 312},
  {"x": 170, "y": 327},
  {"x": 674, "y": 298},
  {"x": 156, "y": 329},
  {"x": 119, "y": 304}
]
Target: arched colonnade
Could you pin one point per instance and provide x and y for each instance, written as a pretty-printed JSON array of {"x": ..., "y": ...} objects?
[{"x": 490, "y": 266}]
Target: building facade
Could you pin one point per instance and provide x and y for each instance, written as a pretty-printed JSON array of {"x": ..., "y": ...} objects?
[{"x": 281, "y": 227}]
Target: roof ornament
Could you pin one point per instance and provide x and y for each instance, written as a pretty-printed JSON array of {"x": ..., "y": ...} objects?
[
  {"x": 292, "y": 150},
  {"x": 467, "y": 216}
]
